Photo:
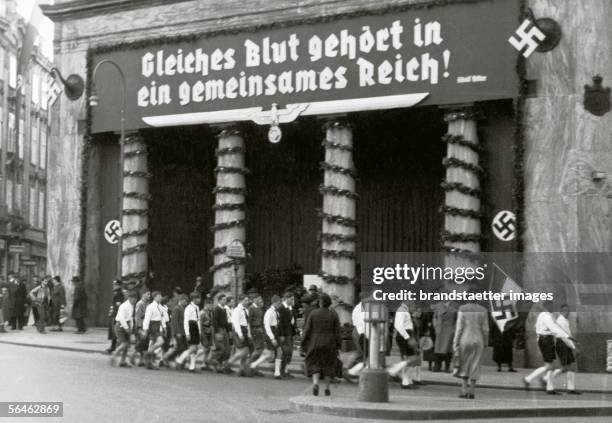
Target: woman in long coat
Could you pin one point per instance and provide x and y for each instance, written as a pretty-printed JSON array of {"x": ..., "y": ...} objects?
[
  {"x": 79, "y": 305},
  {"x": 321, "y": 342},
  {"x": 471, "y": 335},
  {"x": 444, "y": 318}
]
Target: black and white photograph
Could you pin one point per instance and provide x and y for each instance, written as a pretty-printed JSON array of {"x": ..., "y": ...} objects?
[{"x": 287, "y": 211}]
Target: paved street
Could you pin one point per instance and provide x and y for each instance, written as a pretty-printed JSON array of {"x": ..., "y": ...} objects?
[{"x": 93, "y": 391}]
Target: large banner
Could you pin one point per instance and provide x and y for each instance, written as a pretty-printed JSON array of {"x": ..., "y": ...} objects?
[{"x": 440, "y": 55}]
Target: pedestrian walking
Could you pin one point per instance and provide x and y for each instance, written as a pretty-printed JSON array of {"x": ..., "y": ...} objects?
[
  {"x": 18, "y": 297},
  {"x": 286, "y": 331},
  {"x": 4, "y": 307},
  {"x": 118, "y": 299},
  {"x": 142, "y": 340},
  {"x": 469, "y": 342},
  {"x": 566, "y": 354},
  {"x": 407, "y": 343},
  {"x": 256, "y": 324},
  {"x": 124, "y": 329},
  {"x": 39, "y": 297},
  {"x": 502, "y": 347},
  {"x": 58, "y": 303},
  {"x": 206, "y": 337},
  {"x": 241, "y": 334},
  {"x": 444, "y": 319},
  {"x": 191, "y": 326},
  {"x": 271, "y": 345},
  {"x": 321, "y": 343},
  {"x": 79, "y": 305},
  {"x": 178, "y": 345},
  {"x": 359, "y": 340},
  {"x": 547, "y": 330},
  {"x": 154, "y": 326},
  {"x": 221, "y": 349}
]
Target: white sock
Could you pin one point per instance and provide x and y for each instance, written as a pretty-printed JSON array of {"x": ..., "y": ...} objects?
[
  {"x": 536, "y": 373},
  {"x": 556, "y": 373},
  {"x": 354, "y": 371},
  {"x": 571, "y": 381},
  {"x": 406, "y": 376},
  {"x": 277, "y": 367},
  {"x": 394, "y": 369},
  {"x": 182, "y": 357},
  {"x": 417, "y": 373},
  {"x": 549, "y": 381},
  {"x": 192, "y": 361}
]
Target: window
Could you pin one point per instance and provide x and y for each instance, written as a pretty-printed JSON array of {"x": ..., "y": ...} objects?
[
  {"x": 35, "y": 87},
  {"x": 34, "y": 145},
  {"x": 11, "y": 134},
  {"x": 12, "y": 71},
  {"x": 43, "y": 145},
  {"x": 21, "y": 137},
  {"x": 32, "y": 200},
  {"x": 44, "y": 92},
  {"x": 9, "y": 194},
  {"x": 18, "y": 197},
  {"x": 41, "y": 209}
]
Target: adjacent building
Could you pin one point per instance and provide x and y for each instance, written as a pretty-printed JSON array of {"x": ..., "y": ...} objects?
[{"x": 24, "y": 133}]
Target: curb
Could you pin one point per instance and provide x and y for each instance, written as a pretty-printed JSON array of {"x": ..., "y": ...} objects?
[
  {"x": 374, "y": 411},
  {"x": 298, "y": 371}
]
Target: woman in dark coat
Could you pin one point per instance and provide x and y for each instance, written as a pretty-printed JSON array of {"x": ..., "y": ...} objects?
[
  {"x": 79, "y": 305},
  {"x": 321, "y": 342}
]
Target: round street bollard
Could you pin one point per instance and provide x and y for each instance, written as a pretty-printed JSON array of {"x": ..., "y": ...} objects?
[{"x": 373, "y": 386}]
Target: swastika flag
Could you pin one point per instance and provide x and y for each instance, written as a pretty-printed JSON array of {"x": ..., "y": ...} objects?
[{"x": 503, "y": 311}]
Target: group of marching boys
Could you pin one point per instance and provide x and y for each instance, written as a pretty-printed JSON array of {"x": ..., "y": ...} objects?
[{"x": 211, "y": 336}]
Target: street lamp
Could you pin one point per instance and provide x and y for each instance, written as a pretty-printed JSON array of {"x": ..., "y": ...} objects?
[
  {"x": 94, "y": 100},
  {"x": 373, "y": 380}
]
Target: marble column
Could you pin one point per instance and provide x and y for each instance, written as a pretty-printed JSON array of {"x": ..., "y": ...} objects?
[
  {"x": 230, "y": 190},
  {"x": 338, "y": 235},
  {"x": 462, "y": 208},
  {"x": 135, "y": 219}
]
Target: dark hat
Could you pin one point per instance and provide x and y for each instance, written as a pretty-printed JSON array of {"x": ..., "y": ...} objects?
[{"x": 313, "y": 287}]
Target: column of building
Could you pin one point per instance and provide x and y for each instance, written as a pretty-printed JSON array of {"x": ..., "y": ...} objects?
[
  {"x": 338, "y": 216},
  {"x": 230, "y": 190}
]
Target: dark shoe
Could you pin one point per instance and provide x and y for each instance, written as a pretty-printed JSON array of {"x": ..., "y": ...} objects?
[
  {"x": 327, "y": 392},
  {"x": 288, "y": 376},
  {"x": 278, "y": 377},
  {"x": 574, "y": 392},
  {"x": 396, "y": 379},
  {"x": 553, "y": 392},
  {"x": 511, "y": 370},
  {"x": 409, "y": 386},
  {"x": 228, "y": 371},
  {"x": 420, "y": 382},
  {"x": 499, "y": 369},
  {"x": 126, "y": 365},
  {"x": 315, "y": 390},
  {"x": 464, "y": 396},
  {"x": 109, "y": 350},
  {"x": 257, "y": 373},
  {"x": 206, "y": 369},
  {"x": 470, "y": 396}
]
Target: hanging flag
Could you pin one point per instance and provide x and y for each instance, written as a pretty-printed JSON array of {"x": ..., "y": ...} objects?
[{"x": 504, "y": 312}]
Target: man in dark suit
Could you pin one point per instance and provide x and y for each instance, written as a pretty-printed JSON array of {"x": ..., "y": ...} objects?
[
  {"x": 58, "y": 302},
  {"x": 286, "y": 330},
  {"x": 18, "y": 295}
]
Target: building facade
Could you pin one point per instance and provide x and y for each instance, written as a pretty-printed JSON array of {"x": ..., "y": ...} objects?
[
  {"x": 376, "y": 181},
  {"x": 25, "y": 127}
]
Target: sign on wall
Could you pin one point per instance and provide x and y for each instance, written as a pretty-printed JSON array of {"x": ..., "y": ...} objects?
[{"x": 448, "y": 54}]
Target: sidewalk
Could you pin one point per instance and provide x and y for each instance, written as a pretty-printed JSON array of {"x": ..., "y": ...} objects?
[
  {"x": 95, "y": 341},
  {"x": 421, "y": 405}
]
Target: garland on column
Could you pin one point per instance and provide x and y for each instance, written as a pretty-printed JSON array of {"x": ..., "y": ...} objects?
[
  {"x": 228, "y": 206},
  {"x": 337, "y": 219},
  {"x": 454, "y": 162},
  {"x": 135, "y": 278}
]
